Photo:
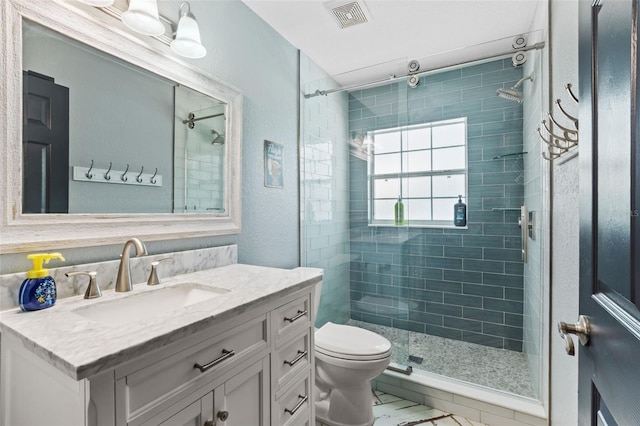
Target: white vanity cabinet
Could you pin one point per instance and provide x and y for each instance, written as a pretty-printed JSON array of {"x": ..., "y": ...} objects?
[{"x": 255, "y": 368}]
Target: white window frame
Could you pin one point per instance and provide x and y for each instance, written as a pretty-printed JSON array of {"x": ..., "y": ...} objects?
[{"x": 372, "y": 176}]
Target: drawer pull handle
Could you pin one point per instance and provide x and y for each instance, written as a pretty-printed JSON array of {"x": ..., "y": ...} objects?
[
  {"x": 303, "y": 399},
  {"x": 297, "y": 317},
  {"x": 225, "y": 355},
  {"x": 301, "y": 354}
]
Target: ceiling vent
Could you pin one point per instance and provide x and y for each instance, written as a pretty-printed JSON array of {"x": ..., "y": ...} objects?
[{"x": 348, "y": 13}]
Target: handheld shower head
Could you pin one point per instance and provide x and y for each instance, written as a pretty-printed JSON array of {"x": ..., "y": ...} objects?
[{"x": 513, "y": 94}]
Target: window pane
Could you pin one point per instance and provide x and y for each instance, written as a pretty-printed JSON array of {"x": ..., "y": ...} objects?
[
  {"x": 384, "y": 209},
  {"x": 386, "y": 188},
  {"x": 417, "y": 139},
  {"x": 449, "y": 158},
  {"x": 447, "y": 135},
  {"x": 443, "y": 208},
  {"x": 416, "y": 161},
  {"x": 387, "y": 163},
  {"x": 417, "y": 209},
  {"x": 416, "y": 187},
  {"x": 386, "y": 142},
  {"x": 448, "y": 186}
]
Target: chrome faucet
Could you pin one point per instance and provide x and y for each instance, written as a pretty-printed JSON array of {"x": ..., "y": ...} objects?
[{"x": 123, "y": 282}]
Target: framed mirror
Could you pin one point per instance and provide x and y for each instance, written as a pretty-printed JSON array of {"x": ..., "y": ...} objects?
[{"x": 147, "y": 145}]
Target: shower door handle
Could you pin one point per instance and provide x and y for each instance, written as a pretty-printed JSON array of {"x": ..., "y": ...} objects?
[{"x": 523, "y": 221}]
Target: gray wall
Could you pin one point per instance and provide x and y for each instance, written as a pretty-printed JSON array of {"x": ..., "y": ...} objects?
[
  {"x": 244, "y": 51},
  {"x": 464, "y": 284}
]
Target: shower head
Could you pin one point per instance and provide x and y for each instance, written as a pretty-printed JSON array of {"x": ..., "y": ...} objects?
[{"x": 513, "y": 94}]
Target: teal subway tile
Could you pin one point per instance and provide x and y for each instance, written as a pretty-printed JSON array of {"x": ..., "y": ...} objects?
[
  {"x": 480, "y": 93},
  {"x": 504, "y": 331},
  {"x": 513, "y": 113},
  {"x": 356, "y": 104},
  {"x": 513, "y": 345},
  {"x": 489, "y": 191},
  {"x": 507, "y": 177},
  {"x": 371, "y": 257},
  {"x": 409, "y": 260},
  {"x": 507, "y": 229},
  {"x": 473, "y": 130},
  {"x": 483, "y": 290},
  {"x": 443, "y": 262},
  {"x": 502, "y": 127},
  {"x": 482, "y": 68},
  {"x": 355, "y": 94},
  {"x": 490, "y": 152},
  {"x": 513, "y": 242},
  {"x": 486, "y": 216},
  {"x": 391, "y": 312},
  {"x": 363, "y": 287},
  {"x": 387, "y": 121},
  {"x": 489, "y": 141},
  {"x": 489, "y": 203},
  {"x": 463, "y": 300},
  {"x": 506, "y": 75},
  {"x": 393, "y": 270},
  {"x": 414, "y": 326},
  {"x": 447, "y": 240},
  {"x": 423, "y": 250},
  {"x": 462, "y": 83},
  {"x": 477, "y": 117},
  {"x": 462, "y": 276},
  {"x": 509, "y": 306},
  {"x": 391, "y": 97},
  {"x": 428, "y": 273},
  {"x": 471, "y": 229},
  {"x": 363, "y": 124},
  {"x": 514, "y": 320},
  {"x": 463, "y": 252},
  {"x": 425, "y": 318},
  {"x": 411, "y": 282},
  {"x": 513, "y": 281},
  {"x": 513, "y": 139},
  {"x": 483, "y": 265},
  {"x": 448, "y": 333},
  {"x": 514, "y": 268},
  {"x": 515, "y": 190},
  {"x": 372, "y": 278},
  {"x": 387, "y": 247},
  {"x": 462, "y": 109},
  {"x": 376, "y": 319},
  {"x": 508, "y": 255},
  {"x": 491, "y": 166},
  {"x": 474, "y": 154},
  {"x": 376, "y": 111},
  {"x": 387, "y": 88},
  {"x": 474, "y": 179},
  {"x": 496, "y": 102},
  {"x": 355, "y": 276},
  {"x": 444, "y": 100},
  {"x": 418, "y": 116},
  {"x": 483, "y": 339},
  {"x": 463, "y": 324},
  {"x": 482, "y": 241},
  {"x": 388, "y": 290},
  {"x": 483, "y": 315},
  {"x": 424, "y": 296},
  {"x": 444, "y": 286},
  {"x": 414, "y": 104}
]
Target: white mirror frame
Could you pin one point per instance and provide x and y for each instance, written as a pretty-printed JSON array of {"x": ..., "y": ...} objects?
[{"x": 37, "y": 232}]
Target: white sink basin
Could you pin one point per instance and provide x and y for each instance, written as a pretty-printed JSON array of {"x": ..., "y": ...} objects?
[{"x": 143, "y": 306}]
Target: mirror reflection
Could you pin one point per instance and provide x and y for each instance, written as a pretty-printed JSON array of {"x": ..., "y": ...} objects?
[{"x": 103, "y": 136}]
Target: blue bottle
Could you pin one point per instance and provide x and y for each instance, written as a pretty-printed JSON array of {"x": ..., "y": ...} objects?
[
  {"x": 38, "y": 291},
  {"x": 460, "y": 213}
]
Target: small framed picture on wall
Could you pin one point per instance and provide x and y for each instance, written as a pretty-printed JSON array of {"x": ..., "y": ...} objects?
[{"x": 273, "y": 165}]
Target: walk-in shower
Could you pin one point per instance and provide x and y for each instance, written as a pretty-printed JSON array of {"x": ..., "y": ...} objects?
[{"x": 457, "y": 302}]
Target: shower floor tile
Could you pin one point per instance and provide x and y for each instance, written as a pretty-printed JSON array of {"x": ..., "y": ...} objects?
[
  {"x": 390, "y": 410},
  {"x": 499, "y": 369}
]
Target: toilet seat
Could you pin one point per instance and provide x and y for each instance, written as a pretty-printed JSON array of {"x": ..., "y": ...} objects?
[{"x": 337, "y": 341}]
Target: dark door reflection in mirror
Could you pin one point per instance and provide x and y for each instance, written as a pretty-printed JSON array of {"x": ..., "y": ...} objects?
[{"x": 128, "y": 117}]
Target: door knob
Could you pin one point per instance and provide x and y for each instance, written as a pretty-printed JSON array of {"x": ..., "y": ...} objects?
[
  {"x": 582, "y": 329},
  {"x": 223, "y": 415}
]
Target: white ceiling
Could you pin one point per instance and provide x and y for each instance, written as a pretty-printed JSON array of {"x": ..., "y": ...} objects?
[{"x": 437, "y": 33}]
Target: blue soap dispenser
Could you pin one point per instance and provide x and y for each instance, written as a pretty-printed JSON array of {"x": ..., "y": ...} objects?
[{"x": 38, "y": 291}]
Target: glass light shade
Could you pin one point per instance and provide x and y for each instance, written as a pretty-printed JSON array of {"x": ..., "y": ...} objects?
[
  {"x": 187, "y": 42},
  {"x": 142, "y": 17},
  {"x": 98, "y": 3}
]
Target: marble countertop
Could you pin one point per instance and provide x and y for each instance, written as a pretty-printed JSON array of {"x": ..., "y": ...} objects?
[{"x": 81, "y": 348}]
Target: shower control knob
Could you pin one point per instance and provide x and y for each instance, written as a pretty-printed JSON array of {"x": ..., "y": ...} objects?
[{"x": 582, "y": 329}]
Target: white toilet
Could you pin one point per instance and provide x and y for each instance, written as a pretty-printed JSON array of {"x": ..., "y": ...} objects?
[{"x": 347, "y": 359}]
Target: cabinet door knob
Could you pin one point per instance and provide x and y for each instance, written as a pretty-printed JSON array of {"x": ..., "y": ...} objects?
[
  {"x": 210, "y": 423},
  {"x": 223, "y": 415}
]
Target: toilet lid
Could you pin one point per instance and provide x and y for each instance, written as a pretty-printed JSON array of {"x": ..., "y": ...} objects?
[{"x": 339, "y": 340}]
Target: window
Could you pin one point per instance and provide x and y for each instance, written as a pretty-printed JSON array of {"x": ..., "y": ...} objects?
[{"x": 425, "y": 164}]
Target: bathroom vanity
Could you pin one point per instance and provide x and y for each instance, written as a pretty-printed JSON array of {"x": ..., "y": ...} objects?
[{"x": 236, "y": 350}]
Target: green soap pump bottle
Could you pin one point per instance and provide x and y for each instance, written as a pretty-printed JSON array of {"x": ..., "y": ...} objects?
[{"x": 399, "y": 212}]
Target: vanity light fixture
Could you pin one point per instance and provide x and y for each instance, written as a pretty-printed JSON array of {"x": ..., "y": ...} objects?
[
  {"x": 142, "y": 17},
  {"x": 187, "y": 40},
  {"x": 98, "y": 3}
]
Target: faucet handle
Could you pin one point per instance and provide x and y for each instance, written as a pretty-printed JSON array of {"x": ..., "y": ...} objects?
[
  {"x": 93, "y": 290},
  {"x": 153, "y": 276}
]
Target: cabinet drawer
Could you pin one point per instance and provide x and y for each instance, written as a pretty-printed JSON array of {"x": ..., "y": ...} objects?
[
  {"x": 292, "y": 358},
  {"x": 294, "y": 405},
  {"x": 292, "y": 316},
  {"x": 164, "y": 380}
]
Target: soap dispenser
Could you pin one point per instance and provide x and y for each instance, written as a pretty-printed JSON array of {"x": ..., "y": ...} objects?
[{"x": 38, "y": 291}]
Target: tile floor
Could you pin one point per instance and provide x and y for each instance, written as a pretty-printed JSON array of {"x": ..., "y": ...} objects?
[
  {"x": 390, "y": 410},
  {"x": 495, "y": 368}
]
